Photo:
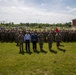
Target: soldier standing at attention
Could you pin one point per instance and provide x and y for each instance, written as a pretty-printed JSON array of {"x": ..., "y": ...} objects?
[
  {"x": 58, "y": 39},
  {"x": 16, "y": 37},
  {"x": 21, "y": 40},
  {"x": 50, "y": 40},
  {"x": 41, "y": 40}
]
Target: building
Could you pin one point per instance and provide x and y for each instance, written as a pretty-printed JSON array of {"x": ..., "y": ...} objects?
[{"x": 74, "y": 22}]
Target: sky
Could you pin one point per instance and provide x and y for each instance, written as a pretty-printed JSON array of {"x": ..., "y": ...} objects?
[{"x": 37, "y": 11}]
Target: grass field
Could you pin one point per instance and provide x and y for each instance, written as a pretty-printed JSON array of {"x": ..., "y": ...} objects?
[{"x": 49, "y": 63}]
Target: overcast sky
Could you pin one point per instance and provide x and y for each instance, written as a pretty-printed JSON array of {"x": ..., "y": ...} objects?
[{"x": 37, "y": 11}]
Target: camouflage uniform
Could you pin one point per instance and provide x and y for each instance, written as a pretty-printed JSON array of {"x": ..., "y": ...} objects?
[
  {"x": 45, "y": 35},
  {"x": 66, "y": 36},
  {"x": 50, "y": 40},
  {"x": 41, "y": 40},
  {"x": 17, "y": 38},
  {"x": 21, "y": 40},
  {"x": 0, "y": 34},
  {"x": 63, "y": 34},
  {"x": 58, "y": 39},
  {"x": 74, "y": 36},
  {"x": 3, "y": 35}
]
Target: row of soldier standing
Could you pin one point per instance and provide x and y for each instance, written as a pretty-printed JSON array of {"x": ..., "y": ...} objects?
[
  {"x": 34, "y": 38},
  {"x": 11, "y": 34}
]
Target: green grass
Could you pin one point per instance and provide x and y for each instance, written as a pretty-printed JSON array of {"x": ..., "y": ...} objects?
[{"x": 13, "y": 63}]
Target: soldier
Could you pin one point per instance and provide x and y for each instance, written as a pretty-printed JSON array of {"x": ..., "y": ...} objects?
[
  {"x": 41, "y": 40},
  {"x": 17, "y": 38},
  {"x": 45, "y": 35},
  {"x": 3, "y": 35},
  {"x": 63, "y": 34},
  {"x": 50, "y": 40},
  {"x": 0, "y": 34},
  {"x": 58, "y": 39},
  {"x": 74, "y": 36},
  {"x": 66, "y": 36},
  {"x": 21, "y": 40}
]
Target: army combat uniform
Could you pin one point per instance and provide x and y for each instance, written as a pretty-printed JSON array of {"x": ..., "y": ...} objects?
[
  {"x": 58, "y": 39},
  {"x": 50, "y": 40},
  {"x": 21, "y": 40},
  {"x": 41, "y": 40}
]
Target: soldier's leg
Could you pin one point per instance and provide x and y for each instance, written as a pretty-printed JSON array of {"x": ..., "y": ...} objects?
[
  {"x": 35, "y": 46},
  {"x": 20, "y": 48},
  {"x": 49, "y": 46},
  {"x": 57, "y": 44},
  {"x": 41, "y": 46},
  {"x": 17, "y": 43},
  {"x": 28, "y": 45}
]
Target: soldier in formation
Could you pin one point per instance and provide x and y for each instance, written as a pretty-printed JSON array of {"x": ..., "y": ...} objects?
[
  {"x": 41, "y": 40},
  {"x": 50, "y": 40},
  {"x": 13, "y": 35},
  {"x": 21, "y": 41},
  {"x": 58, "y": 39}
]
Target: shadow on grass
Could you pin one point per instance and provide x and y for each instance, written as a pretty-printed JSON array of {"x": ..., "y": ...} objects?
[
  {"x": 2, "y": 41},
  {"x": 63, "y": 50},
  {"x": 25, "y": 52},
  {"x": 61, "y": 45},
  {"x": 43, "y": 51},
  {"x": 28, "y": 52},
  {"x": 37, "y": 51},
  {"x": 55, "y": 52},
  {"x": 40, "y": 51}
]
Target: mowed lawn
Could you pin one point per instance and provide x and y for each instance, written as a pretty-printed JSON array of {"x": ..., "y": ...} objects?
[{"x": 42, "y": 63}]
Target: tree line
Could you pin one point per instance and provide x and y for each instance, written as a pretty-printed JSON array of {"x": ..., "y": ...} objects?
[{"x": 37, "y": 25}]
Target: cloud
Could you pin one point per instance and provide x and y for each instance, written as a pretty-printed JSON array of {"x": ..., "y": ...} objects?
[
  {"x": 72, "y": 10},
  {"x": 43, "y": 11}
]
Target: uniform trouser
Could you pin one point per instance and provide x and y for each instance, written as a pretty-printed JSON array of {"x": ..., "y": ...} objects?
[
  {"x": 21, "y": 47},
  {"x": 27, "y": 45},
  {"x": 41, "y": 45},
  {"x": 58, "y": 43},
  {"x": 17, "y": 42},
  {"x": 50, "y": 45},
  {"x": 34, "y": 45}
]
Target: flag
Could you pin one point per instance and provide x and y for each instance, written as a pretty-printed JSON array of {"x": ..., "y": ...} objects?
[{"x": 57, "y": 30}]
